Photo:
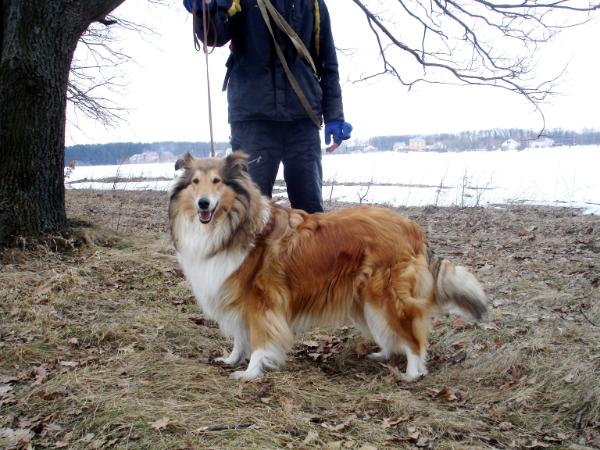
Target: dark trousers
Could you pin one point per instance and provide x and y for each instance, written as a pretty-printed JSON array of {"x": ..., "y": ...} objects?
[{"x": 297, "y": 145}]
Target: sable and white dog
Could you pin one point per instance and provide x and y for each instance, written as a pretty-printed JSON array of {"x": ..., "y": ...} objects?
[{"x": 264, "y": 271}]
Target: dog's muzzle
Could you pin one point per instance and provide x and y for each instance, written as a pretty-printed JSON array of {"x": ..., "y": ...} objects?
[{"x": 205, "y": 212}]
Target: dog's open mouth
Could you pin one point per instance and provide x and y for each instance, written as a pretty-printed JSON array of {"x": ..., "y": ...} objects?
[{"x": 205, "y": 215}]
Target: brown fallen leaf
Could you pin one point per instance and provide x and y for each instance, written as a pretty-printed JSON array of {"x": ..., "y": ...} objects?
[
  {"x": 325, "y": 341},
  {"x": 505, "y": 426},
  {"x": 49, "y": 396},
  {"x": 413, "y": 434},
  {"x": 537, "y": 444},
  {"x": 447, "y": 394},
  {"x": 422, "y": 442},
  {"x": 160, "y": 423},
  {"x": 7, "y": 379},
  {"x": 315, "y": 356},
  {"x": 498, "y": 342},
  {"x": 40, "y": 373},
  {"x": 361, "y": 349},
  {"x": 88, "y": 437},
  {"x": 198, "y": 320},
  {"x": 68, "y": 363},
  {"x": 458, "y": 322},
  {"x": 287, "y": 404},
  {"x": 339, "y": 427},
  {"x": 394, "y": 375},
  {"x": 569, "y": 378},
  {"x": 10, "y": 438},
  {"x": 127, "y": 349},
  {"x": 311, "y": 437},
  {"x": 389, "y": 422}
]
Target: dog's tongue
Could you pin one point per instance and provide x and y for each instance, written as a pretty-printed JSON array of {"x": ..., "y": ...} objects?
[{"x": 205, "y": 216}]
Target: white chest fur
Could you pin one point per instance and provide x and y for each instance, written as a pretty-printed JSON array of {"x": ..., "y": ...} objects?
[{"x": 207, "y": 274}]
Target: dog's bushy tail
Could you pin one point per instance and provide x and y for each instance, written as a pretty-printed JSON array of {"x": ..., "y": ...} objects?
[{"x": 457, "y": 291}]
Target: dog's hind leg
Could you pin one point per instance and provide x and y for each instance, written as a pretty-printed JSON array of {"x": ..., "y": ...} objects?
[
  {"x": 391, "y": 343},
  {"x": 382, "y": 334},
  {"x": 415, "y": 365},
  {"x": 397, "y": 320}
]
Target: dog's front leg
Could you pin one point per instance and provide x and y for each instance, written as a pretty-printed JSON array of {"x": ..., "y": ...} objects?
[
  {"x": 239, "y": 352},
  {"x": 261, "y": 359},
  {"x": 270, "y": 339}
]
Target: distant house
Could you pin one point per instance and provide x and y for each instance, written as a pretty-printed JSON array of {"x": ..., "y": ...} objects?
[
  {"x": 542, "y": 142},
  {"x": 437, "y": 147},
  {"x": 138, "y": 158},
  {"x": 417, "y": 144},
  {"x": 399, "y": 146},
  {"x": 167, "y": 157},
  {"x": 150, "y": 157},
  {"x": 369, "y": 149},
  {"x": 510, "y": 144}
]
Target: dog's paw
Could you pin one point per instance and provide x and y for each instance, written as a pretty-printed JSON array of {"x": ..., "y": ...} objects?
[
  {"x": 227, "y": 360},
  {"x": 245, "y": 375},
  {"x": 379, "y": 357},
  {"x": 412, "y": 378}
]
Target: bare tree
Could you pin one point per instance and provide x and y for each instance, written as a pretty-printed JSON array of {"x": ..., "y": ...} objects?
[
  {"x": 96, "y": 70},
  {"x": 470, "y": 42},
  {"x": 96, "y": 74},
  {"x": 37, "y": 43}
]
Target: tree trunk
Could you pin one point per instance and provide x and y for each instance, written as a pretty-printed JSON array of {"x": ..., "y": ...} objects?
[{"x": 37, "y": 45}]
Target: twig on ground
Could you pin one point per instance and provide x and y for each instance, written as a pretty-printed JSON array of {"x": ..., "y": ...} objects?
[
  {"x": 587, "y": 318},
  {"x": 223, "y": 427}
]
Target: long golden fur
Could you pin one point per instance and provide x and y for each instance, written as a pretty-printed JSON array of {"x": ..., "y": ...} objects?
[{"x": 264, "y": 271}]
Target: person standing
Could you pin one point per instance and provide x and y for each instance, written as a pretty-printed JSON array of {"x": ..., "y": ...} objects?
[{"x": 268, "y": 118}]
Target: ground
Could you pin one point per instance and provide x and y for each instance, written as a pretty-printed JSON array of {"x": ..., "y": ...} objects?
[{"x": 102, "y": 345}]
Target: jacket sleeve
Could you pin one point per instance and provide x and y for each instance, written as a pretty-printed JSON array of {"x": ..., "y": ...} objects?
[
  {"x": 221, "y": 14},
  {"x": 327, "y": 70}
]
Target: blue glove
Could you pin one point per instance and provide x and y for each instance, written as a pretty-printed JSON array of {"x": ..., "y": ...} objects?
[
  {"x": 188, "y": 5},
  {"x": 339, "y": 129}
]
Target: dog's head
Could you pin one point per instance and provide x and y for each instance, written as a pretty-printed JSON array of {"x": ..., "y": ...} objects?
[{"x": 209, "y": 188}]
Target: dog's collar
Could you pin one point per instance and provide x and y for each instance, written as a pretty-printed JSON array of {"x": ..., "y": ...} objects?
[{"x": 268, "y": 226}]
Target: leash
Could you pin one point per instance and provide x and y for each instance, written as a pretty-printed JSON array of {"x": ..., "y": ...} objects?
[
  {"x": 204, "y": 47},
  {"x": 266, "y": 8}
]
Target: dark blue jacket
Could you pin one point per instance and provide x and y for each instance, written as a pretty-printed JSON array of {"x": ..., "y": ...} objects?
[{"x": 257, "y": 86}]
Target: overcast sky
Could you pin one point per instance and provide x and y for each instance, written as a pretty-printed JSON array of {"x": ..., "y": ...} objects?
[{"x": 165, "y": 88}]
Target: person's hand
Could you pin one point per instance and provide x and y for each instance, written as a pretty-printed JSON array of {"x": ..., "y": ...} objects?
[
  {"x": 340, "y": 131},
  {"x": 189, "y": 4}
]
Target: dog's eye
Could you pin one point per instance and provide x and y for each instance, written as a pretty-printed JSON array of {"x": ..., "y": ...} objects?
[
  {"x": 216, "y": 180},
  {"x": 195, "y": 181}
]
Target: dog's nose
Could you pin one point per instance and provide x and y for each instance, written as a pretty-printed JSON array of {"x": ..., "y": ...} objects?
[{"x": 203, "y": 203}]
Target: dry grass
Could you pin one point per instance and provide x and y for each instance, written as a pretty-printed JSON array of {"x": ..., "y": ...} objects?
[{"x": 103, "y": 346}]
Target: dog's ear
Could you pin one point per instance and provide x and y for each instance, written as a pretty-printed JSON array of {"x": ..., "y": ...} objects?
[
  {"x": 184, "y": 161},
  {"x": 236, "y": 161}
]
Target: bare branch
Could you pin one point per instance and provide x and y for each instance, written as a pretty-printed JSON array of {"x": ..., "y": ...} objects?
[
  {"x": 474, "y": 42},
  {"x": 96, "y": 68}
]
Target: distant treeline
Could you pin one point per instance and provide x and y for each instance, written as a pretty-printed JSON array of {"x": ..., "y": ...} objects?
[
  {"x": 97, "y": 154},
  {"x": 490, "y": 139},
  {"x": 117, "y": 153}
]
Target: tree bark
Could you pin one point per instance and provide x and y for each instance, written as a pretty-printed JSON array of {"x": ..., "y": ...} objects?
[{"x": 37, "y": 45}]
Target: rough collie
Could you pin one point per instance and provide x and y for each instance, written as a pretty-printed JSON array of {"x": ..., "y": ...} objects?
[{"x": 264, "y": 271}]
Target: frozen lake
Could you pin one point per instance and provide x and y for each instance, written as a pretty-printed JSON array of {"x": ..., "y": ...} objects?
[{"x": 561, "y": 176}]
